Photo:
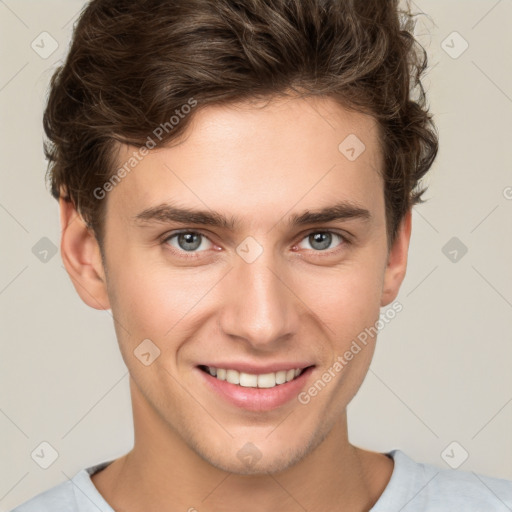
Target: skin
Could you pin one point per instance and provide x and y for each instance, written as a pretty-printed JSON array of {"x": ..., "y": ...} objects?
[{"x": 262, "y": 164}]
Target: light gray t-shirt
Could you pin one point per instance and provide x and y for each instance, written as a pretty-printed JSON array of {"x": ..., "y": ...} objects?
[{"x": 413, "y": 487}]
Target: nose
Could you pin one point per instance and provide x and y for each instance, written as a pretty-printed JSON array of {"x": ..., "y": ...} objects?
[{"x": 259, "y": 306}]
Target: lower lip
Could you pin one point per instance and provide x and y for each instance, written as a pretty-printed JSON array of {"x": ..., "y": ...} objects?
[{"x": 257, "y": 399}]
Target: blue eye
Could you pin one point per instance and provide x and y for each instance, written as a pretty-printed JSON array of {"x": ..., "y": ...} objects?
[
  {"x": 321, "y": 240},
  {"x": 187, "y": 241},
  {"x": 189, "y": 244}
]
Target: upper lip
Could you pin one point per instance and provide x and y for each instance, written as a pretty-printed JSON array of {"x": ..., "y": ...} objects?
[{"x": 258, "y": 369}]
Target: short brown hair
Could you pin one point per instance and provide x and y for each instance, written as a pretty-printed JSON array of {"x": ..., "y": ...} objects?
[{"x": 133, "y": 63}]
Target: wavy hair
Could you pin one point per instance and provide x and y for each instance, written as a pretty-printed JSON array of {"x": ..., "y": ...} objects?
[{"x": 133, "y": 63}]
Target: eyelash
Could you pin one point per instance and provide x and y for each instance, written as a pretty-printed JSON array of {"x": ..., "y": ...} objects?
[{"x": 193, "y": 255}]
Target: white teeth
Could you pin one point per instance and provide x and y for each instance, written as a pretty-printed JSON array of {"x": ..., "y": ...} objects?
[
  {"x": 248, "y": 380},
  {"x": 267, "y": 380},
  {"x": 281, "y": 377},
  {"x": 233, "y": 376}
]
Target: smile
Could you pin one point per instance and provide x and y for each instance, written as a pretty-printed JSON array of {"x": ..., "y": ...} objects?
[
  {"x": 250, "y": 380},
  {"x": 255, "y": 387}
]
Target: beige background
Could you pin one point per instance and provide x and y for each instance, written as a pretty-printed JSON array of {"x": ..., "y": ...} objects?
[{"x": 441, "y": 372}]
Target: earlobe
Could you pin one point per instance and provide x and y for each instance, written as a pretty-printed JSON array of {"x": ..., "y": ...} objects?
[
  {"x": 82, "y": 257},
  {"x": 397, "y": 261}
]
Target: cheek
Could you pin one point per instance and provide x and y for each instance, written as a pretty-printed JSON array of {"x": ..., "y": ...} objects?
[
  {"x": 151, "y": 299},
  {"x": 346, "y": 299},
  {"x": 148, "y": 302},
  {"x": 355, "y": 321}
]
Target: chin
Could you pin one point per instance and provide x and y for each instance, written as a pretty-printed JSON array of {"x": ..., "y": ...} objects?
[
  {"x": 263, "y": 458},
  {"x": 265, "y": 465}
]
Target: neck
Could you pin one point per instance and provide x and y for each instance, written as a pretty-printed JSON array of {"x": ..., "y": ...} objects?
[{"x": 163, "y": 473}]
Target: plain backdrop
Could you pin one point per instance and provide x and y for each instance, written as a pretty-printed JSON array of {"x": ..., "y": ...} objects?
[{"x": 440, "y": 384}]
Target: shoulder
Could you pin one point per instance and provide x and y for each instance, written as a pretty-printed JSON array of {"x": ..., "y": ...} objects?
[
  {"x": 475, "y": 491},
  {"x": 57, "y": 499},
  {"x": 424, "y": 487},
  {"x": 75, "y": 495}
]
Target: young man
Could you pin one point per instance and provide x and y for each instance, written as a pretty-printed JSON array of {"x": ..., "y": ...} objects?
[{"x": 235, "y": 180}]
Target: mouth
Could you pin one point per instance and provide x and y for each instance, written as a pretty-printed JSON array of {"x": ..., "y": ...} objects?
[
  {"x": 252, "y": 380},
  {"x": 261, "y": 390}
]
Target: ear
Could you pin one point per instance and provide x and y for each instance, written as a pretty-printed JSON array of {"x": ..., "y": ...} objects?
[
  {"x": 82, "y": 257},
  {"x": 397, "y": 261}
]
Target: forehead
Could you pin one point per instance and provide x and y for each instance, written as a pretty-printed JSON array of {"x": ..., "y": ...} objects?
[{"x": 259, "y": 160}]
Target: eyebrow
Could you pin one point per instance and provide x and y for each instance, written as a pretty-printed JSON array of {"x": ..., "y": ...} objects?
[{"x": 344, "y": 210}]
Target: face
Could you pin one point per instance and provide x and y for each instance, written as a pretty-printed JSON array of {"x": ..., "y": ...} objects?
[{"x": 256, "y": 285}]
